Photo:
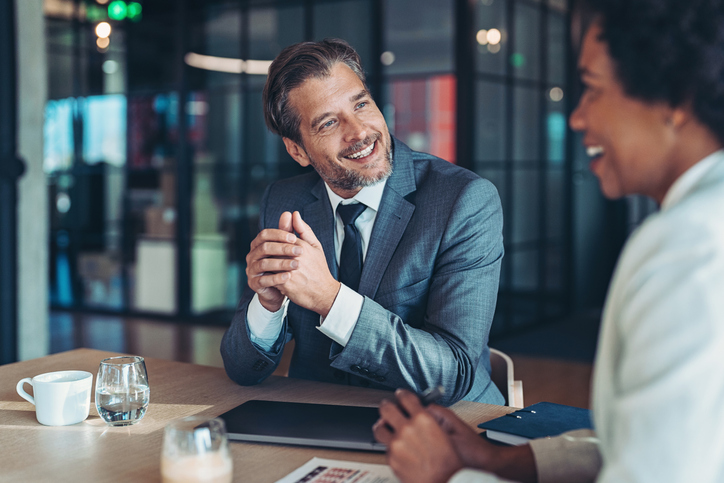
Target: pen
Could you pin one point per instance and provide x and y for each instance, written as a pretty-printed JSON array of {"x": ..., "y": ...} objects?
[{"x": 431, "y": 395}]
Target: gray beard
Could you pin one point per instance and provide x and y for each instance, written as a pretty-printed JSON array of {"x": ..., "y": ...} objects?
[{"x": 349, "y": 180}]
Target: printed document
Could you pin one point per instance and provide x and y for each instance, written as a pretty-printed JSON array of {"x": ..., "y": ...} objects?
[{"x": 319, "y": 470}]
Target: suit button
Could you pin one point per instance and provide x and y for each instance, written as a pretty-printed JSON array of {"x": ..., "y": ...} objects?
[
  {"x": 364, "y": 383},
  {"x": 380, "y": 378},
  {"x": 355, "y": 368},
  {"x": 364, "y": 371},
  {"x": 338, "y": 374}
]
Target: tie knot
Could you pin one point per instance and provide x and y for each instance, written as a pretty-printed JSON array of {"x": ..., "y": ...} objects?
[{"x": 350, "y": 213}]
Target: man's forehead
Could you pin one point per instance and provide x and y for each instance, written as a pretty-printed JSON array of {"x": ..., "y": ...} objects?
[{"x": 318, "y": 94}]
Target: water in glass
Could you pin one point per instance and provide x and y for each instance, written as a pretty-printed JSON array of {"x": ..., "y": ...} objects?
[{"x": 122, "y": 392}]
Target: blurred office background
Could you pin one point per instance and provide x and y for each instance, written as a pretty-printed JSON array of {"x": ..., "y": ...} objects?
[{"x": 141, "y": 129}]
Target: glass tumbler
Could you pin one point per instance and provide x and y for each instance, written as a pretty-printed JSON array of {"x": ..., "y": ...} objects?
[
  {"x": 122, "y": 392},
  {"x": 196, "y": 450}
]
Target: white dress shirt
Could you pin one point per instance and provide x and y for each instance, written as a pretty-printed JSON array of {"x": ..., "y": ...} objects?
[
  {"x": 658, "y": 383},
  {"x": 265, "y": 326}
]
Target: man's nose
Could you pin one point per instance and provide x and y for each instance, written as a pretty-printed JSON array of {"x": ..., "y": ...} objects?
[{"x": 355, "y": 129}]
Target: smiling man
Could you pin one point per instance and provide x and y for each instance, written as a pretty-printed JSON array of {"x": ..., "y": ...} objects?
[
  {"x": 652, "y": 117},
  {"x": 382, "y": 264}
]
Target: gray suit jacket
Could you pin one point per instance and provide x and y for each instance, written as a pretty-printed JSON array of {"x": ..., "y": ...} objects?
[{"x": 430, "y": 282}]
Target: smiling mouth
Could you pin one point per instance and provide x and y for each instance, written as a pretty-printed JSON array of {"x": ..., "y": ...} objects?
[
  {"x": 363, "y": 152},
  {"x": 594, "y": 151}
]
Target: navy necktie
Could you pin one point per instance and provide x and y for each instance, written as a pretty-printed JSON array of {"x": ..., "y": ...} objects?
[{"x": 350, "y": 261}]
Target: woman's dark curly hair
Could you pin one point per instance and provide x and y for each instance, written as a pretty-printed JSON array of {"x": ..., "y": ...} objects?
[{"x": 668, "y": 50}]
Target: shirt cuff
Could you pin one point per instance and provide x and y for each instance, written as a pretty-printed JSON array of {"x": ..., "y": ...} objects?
[
  {"x": 265, "y": 326},
  {"x": 342, "y": 317},
  {"x": 572, "y": 457}
]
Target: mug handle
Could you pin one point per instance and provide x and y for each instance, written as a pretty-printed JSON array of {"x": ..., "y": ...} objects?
[{"x": 22, "y": 392}]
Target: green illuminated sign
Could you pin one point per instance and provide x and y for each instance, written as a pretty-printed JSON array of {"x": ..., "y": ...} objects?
[
  {"x": 117, "y": 10},
  {"x": 120, "y": 10},
  {"x": 134, "y": 11}
]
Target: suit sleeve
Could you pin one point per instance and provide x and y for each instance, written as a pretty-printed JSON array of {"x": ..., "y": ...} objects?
[
  {"x": 446, "y": 345},
  {"x": 245, "y": 362}
]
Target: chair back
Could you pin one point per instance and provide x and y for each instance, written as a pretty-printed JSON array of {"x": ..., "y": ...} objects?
[{"x": 502, "y": 375}]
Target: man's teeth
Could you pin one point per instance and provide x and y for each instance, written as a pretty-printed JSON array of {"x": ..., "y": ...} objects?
[
  {"x": 594, "y": 151},
  {"x": 361, "y": 154}
]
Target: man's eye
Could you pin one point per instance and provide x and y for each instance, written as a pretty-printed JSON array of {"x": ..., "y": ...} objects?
[
  {"x": 327, "y": 124},
  {"x": 361, "y": 104}
]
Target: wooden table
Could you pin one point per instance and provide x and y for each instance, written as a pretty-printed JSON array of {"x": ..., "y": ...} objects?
[{"x": 91, "y": 451}]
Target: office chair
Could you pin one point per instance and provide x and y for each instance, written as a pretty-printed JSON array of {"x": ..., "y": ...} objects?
[{"x": 501, "y": 373}]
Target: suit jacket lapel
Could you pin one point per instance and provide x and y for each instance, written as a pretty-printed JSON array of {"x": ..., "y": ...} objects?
[
  {"x": 318, "y": 215},
  {"x": 392, "y": 219}
]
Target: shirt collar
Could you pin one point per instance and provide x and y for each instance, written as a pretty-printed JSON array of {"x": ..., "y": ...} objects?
[
  {"x": 687, "y": 181},
  {"x": 370, "y": 196}
]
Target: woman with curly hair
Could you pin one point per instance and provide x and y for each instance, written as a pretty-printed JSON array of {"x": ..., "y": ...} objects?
[{"x": 652, "y": 116}]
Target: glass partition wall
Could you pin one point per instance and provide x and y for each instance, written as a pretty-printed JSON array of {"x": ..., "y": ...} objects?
[
  {"x": 520, "y": 143},
  {"x": 157, "y": 153}
]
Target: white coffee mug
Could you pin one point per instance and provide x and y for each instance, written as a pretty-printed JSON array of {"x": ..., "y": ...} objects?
[{"x": 60, "y": 398}]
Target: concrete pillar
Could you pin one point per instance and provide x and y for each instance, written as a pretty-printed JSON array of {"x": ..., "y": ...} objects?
[{"x": 33, "y": 222}]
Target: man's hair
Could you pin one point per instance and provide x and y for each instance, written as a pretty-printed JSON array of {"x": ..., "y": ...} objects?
[
  {"x": 294, "y": 65},
  {"x": 668, "y": 50}
]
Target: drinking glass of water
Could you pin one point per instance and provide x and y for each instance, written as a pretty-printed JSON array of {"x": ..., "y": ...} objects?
[
  {"x": 122, "y": 390},
  {"x": 196, "y": 450}
]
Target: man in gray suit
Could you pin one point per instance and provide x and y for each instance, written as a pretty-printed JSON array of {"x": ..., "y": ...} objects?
[{"x": 402, "y": 292}]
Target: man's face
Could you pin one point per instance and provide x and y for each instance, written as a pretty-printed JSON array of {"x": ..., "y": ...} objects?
[
  {"x": 630, "y": 141},
  {"x": 344, "y": 135}
]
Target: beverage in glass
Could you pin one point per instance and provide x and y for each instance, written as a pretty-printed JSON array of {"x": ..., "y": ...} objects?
[
  {"x": 122, "y": 392},
  {"x": 196, "y": 450}
]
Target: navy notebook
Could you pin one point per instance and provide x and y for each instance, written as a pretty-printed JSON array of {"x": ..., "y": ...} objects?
[{"x": 537, "y": 421}]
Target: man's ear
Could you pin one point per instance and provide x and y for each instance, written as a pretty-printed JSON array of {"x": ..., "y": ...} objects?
[{"x": 296, "y": 152}]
